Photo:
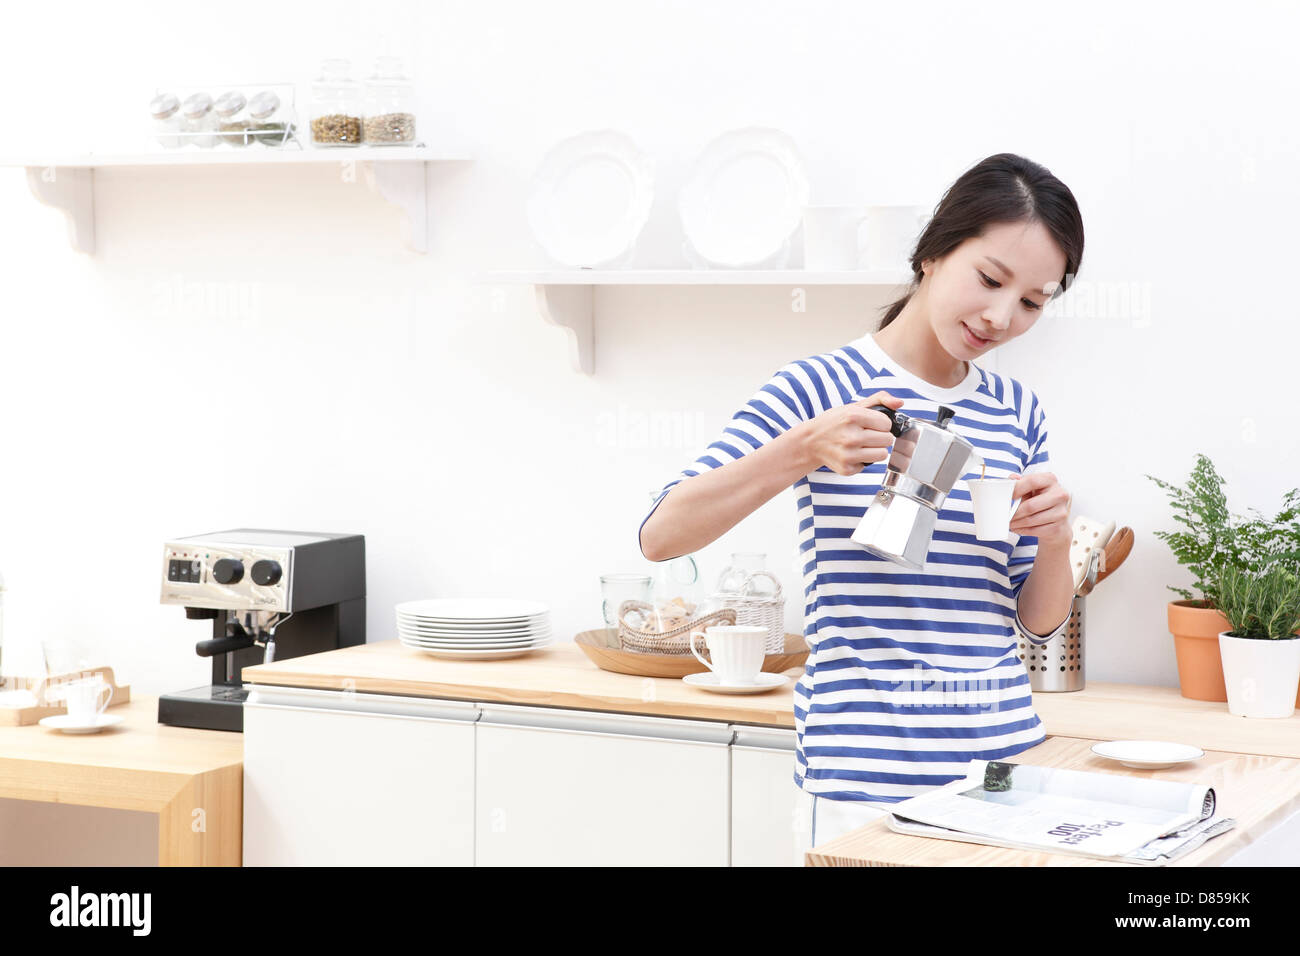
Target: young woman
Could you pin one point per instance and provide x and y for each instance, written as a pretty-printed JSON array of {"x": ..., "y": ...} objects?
[{"x": 911, "y": 674}]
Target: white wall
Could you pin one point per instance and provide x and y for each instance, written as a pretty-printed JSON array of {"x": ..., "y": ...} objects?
[{"x": 256, "y": 347}]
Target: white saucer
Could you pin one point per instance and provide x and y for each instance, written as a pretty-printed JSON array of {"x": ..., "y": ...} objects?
[
  {"x": 64, "y": 723},
  {"x": 1148, "y": 754},
  {"x": 709, "y": 681}
]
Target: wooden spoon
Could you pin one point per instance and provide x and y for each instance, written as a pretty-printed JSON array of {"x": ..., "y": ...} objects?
[{"x": 1116, "y": 550}]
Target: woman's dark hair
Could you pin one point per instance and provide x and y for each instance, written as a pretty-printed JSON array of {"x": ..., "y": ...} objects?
[{"x": 1002, "y": 188}]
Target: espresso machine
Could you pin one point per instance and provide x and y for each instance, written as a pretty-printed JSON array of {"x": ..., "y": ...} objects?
[
  {"x": 927, "y": 460},
  {"x": 270, "y": 595}
]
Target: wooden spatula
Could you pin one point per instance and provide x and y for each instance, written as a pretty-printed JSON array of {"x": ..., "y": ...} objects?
[{"x": 1116, "y": 550}]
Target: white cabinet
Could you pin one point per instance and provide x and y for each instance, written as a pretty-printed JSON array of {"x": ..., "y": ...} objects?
[
  {"x": 764, "y": 798},
  {"x": 333, "y": 778},
  {"x": 563, "y": 787}
]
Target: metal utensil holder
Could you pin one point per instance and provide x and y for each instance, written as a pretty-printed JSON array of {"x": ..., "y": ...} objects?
[{"x": 1058, "y": 665}]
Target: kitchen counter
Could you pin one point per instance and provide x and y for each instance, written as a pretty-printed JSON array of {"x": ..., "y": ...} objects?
[
  {"x": 139, "y": 765},
  {"x": 562, "y": 676},
  {"x": 1258, "y": 792}
]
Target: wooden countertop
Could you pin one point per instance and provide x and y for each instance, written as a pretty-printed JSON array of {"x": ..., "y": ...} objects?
[
  {"x": 562, "y": 676},
  {"x": 174, "y": 772},
  {"x": 1258, "y": 792},
  {"x": 558, "y": 676}
]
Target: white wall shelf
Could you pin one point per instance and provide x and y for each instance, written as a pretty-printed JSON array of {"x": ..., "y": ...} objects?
[
  {"x": 566, "y": 298},
  {"x": 396, "y": 173}
]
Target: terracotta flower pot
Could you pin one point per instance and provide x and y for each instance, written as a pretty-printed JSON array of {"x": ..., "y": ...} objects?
[{"x": 1196, "y": 631}]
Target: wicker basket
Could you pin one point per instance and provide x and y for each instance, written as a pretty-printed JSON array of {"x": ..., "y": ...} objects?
[
  {"x": 758, "y": 610},
  {"x": 674, "y": 642}
]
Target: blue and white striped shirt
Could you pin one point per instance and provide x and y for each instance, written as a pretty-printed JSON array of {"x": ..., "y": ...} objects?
[{"x": 910, "y": 674}]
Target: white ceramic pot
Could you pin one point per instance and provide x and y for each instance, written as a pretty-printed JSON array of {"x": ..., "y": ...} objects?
[{"x": 1261, "y": 676}]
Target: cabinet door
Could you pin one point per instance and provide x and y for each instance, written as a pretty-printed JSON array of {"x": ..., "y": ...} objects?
[
  {"x": 576, "y": 788},
  {"x": 764, "y": 799},
  {"x": 336, "y": 779}
]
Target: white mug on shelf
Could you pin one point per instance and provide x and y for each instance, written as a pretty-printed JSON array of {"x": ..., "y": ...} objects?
[
  {"x": 890, "y": 234},
  {"x": 736, "y": 651},
  {"x": 993, "y": 506}
]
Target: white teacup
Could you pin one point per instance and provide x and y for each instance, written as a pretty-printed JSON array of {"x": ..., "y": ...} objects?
[
  {"x": 993, "y": 506},
  {"x": 736, "y": 650},
  {"x": 83, "y": 698}
]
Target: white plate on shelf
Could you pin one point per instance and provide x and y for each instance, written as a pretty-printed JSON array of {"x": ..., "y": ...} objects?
[
  {"x": 745, "y": 197},
  {"x": 590, "y": 198},
  {"x": 709, "y": 681},
  {"x": 1147, "y": 754},
  {"x": 69, "y": 726},
  {"x": 472, "y": 610}
]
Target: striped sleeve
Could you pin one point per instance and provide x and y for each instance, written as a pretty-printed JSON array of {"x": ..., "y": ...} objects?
[
  {"x": 794, "y": 394},
  {"x": 1022, "y": 557}
]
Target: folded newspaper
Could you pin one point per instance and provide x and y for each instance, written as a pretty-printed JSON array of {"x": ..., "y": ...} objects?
[{"x": 1100, "y": 815}]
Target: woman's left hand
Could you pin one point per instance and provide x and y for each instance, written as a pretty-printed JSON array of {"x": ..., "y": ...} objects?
[{"x": 1044, "y": 510}]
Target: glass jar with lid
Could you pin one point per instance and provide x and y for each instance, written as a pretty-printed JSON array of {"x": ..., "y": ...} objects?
[
  {"x": 165, "y": 108},
  {"x": 390, "y": 105},
  {"x": 268, "y": 123},
  {"x": 198, "y": 121},
  {"x": 232, "y": 118},
  {"x": 336, "y": 106}
]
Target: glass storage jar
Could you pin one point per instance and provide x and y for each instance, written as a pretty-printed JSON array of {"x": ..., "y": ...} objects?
[
  {"x": 268, "y": 124},
  {"x": 336, "y": 106},
  {"x": 390, "y": 105},
  {"x": 198, "y": 122},
  {"x": 165, "y": 109},
  {"x": 232, "y": 118}
]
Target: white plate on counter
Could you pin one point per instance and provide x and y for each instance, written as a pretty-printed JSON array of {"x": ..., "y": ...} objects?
[
  {"x": 710, "y": 681},
  {"x": 473, "y": 645},
  {"x": 1147, "y": 754},
  {"x": 459, "y": 654},
  {"x": 470, "y": 610},
  {"x": 66, "y": 724}
]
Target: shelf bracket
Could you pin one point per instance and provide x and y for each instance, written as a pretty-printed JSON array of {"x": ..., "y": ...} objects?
[
  {"x": 72, "y": 190},
  {"x": 403, "y": 185},
  {"x": 572, "y": 308}
]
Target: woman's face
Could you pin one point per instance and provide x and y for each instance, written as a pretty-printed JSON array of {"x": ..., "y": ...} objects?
[{"x": 993, "y": 286}]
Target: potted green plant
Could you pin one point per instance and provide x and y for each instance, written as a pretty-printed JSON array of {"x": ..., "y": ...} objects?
[
  {"x": 1204, "y": 547},
  {"x": 1212, "y": 540},
  {"x": 1261, "y": 647}
]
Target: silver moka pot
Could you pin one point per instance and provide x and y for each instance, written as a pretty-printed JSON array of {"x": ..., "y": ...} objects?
[{"x": 927, "y": 460}]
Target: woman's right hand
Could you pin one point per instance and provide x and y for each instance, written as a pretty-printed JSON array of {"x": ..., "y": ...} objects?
[{"x": 847, "y": 438}]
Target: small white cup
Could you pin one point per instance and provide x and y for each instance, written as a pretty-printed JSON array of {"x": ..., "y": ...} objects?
[
  {"x": 82, "y": 697},
  {"x": 736, "y": 650},
  {"x": 993, "y": 506},
  {"x": 831, "y": 239},
  {"x": 890, "y": 233}
]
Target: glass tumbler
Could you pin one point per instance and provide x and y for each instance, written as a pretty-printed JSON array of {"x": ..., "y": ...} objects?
[{"x": 617, "y": 588}]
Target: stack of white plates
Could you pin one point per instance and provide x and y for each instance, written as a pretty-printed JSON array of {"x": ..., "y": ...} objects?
[{"x": 474, "y": 628}]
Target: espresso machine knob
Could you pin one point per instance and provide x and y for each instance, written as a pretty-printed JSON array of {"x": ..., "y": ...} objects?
[
  {"x": 266, "y": 573},
  {"x": 228, "y": 571}
]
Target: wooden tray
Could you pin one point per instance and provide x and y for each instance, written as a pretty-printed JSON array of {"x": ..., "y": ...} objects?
[
  {"x": 602, "y": 647},
  {"x": 22, "y": 716}
]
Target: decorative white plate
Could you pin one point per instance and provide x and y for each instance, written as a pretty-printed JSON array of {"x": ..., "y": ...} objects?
[
  {"x": 473, "y": 645},
  {"x": 66, "y": 724},
  {"x": 745, "y": 197},
  {"x": 1147, "y": 754},
  {"x": 472, "y": 610},
  {"x": 470, "y": 632},
  {"x": 709, "y": 681},
  {"x": 591, "y": 197},
  {"x": 464, "y": 655}
]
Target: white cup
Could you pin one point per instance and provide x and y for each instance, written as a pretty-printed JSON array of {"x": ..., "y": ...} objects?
[
  {"x": 82, "y": 697},
  {"x": 993, "y": 506},
  {"x": 890, "y": 234},
  {"x": 736, "y": 650},
  {"x": 831, "y": 237}
]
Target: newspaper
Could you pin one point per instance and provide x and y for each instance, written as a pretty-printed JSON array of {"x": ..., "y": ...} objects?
[{"x": 1099, "y": 815}]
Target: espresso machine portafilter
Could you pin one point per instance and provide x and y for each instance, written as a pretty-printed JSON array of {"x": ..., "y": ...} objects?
[
  {"x": 270, "y": 595},
  {"x": 926, "y": 461}
]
